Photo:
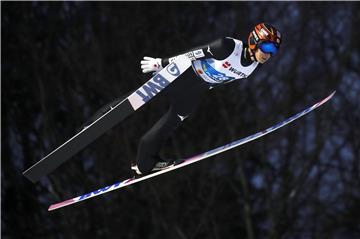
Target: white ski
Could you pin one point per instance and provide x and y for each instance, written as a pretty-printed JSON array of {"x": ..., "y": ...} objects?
[
  {"x": 191, "y": 160},
  {"x": 114, "y": 116}
]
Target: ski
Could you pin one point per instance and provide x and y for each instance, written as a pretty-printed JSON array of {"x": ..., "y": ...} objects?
[
  {"x": 191, "y": 160},
  {"x": 114, "y": 116}
]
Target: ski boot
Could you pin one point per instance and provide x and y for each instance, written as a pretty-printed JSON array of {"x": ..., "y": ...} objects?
[{"x": 161, "y": 165}]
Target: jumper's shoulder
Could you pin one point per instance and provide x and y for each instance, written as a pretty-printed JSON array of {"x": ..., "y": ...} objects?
[{"x": 222, "y": 47}]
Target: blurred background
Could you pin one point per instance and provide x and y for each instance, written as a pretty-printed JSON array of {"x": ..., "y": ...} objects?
[{"x": 61, "y": 61}]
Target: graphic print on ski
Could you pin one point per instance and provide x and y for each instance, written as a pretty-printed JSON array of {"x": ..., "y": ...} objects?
[
  {"x": 191, "y": 160},
  {"x": 114, "y": 116}
]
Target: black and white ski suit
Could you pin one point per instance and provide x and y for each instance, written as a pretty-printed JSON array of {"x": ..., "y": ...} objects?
[{"x": 219, "y": 62}]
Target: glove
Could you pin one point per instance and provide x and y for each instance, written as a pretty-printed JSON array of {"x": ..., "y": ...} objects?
[{"x": 149, "y": 64}]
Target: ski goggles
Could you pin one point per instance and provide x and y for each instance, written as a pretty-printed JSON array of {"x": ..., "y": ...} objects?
[{"x": 269, "y": 47}]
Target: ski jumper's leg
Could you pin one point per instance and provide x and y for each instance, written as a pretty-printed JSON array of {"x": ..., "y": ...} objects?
[
  {"x": 150, "y": 144},
  {"x": 184, "y": 95}
]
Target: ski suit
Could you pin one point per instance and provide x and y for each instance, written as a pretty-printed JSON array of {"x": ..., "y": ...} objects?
[{"x": 219, "y": 62}]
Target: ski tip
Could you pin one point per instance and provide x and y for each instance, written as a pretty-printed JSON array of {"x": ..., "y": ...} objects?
[
  {"x": 329, "y": 97},
  {"x": 27, "y": 174},
  {"x": 61, "y": 204},
  {"x": 326, "y": 99},
  {"x": 51, "y": 208},
  {"x": 332, "y": 94}
]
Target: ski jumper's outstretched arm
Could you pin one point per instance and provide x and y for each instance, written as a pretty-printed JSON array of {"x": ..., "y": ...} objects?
[{"x": 218, "y": 49}]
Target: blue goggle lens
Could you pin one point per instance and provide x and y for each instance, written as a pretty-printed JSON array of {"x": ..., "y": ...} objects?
[{"x": 269, "y": 47}]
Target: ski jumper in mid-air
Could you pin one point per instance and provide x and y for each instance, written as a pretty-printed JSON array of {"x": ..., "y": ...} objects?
[{"x": 220, "y": 62}]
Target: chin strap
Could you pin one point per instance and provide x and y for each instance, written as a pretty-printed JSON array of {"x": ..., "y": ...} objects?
[{"x": 251, "y": 54}]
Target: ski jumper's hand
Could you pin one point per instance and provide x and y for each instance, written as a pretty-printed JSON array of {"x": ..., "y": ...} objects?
[{"x": 149, "y": 64}]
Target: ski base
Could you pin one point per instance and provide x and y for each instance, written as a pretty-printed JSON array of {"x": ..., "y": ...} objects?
[{"x": 114, "y": 116}]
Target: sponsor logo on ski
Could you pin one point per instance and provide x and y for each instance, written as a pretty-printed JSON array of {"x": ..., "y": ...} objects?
[
  {"x": 173, "y": 69},
  {"x": 150, "y": 89},
  {"x": 99, "y": 191},
  {"x": 155, "y": 85}
]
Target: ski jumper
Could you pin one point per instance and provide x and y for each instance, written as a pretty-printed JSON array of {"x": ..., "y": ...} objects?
[{"x": 219, "y": 62}]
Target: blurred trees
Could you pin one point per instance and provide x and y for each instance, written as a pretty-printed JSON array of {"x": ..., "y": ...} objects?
[{"x": 62, "y": 61}]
